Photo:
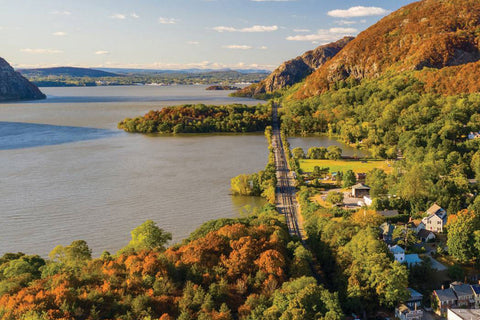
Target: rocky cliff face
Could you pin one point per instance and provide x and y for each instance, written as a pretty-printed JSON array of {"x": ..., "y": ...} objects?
[
  {"x": 14, "y": 86},
  {"x": 295, "y": 70},
  {"x": 439, "y": 34}
]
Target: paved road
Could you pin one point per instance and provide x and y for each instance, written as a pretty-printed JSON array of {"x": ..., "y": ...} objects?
[{"x": 286, "y": 200}]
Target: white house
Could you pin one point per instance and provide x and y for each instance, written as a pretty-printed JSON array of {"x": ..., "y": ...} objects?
[
  {"x": 398, "y": 253},
  {"x": 404, "y": 312},
  {"x": 368, "y": 201},
  {"x": 436, "y": 219}
]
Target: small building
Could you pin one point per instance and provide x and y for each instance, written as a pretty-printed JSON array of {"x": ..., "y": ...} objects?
[
  {"x": 360, "y": 190},
  {"x": 426, "y": 235},
  {"x": 436, "y": 219},
  {"x": 398, "y": 253},
  {"x": 412, "y": 259},
  {"x": 464, "y": 293},
  {"x": 446, "y": 299},
  {"x": 463, "y": 314},
  {"x": 415, "y": 300},
  {"x": 404, "y": 312},
  {"x": 386, "y": 232}
]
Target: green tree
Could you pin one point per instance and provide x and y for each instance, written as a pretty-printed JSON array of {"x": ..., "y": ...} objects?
[
  {"x": 376, "y": 180},
  {"x": 240, "y": 185},
  {"x": 334, "y": 152},
  {"x": 349, "y": 179},
  {"x": 148, "y": 236},
  {"x": 475, "y": 164},
  {"x": 335, "y": 197},
  {"x": 298, "y": 153},
  {"x": 320, "y": 172},
  {"x": 317, "y": 153},
  {"x": 460, "y": 241},
  {"x": 75, "y": 255}
]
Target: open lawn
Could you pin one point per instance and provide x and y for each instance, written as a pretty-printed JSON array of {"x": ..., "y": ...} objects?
[{"x": 358, "y": 166}]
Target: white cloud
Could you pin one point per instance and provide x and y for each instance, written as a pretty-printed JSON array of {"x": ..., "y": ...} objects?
[
  {"x": 164, "y": 20},
  {"x": 238, "y": 47},
  {"x": 118, "y": 16},
  {"x": 41, "y": 51},
  {"x": 358, "y": 11},
  {"x": 59, "y": 33},
  {"x": 324, "y": 35},
  {"x": 255, "y": 28},
  {"x": 62, "y": 13},
  {"x": 345, "y": 22},
  {"x": 134, "y": 15},
  {"x": 302, "y": 30},
  {"x": 196, "y": 43},
  {"x": 263, "y": 48},
  {"x": 102, "y": 52}
]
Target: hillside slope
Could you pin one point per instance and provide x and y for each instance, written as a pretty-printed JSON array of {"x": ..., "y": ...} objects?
[
  {"x": 426, "y": 34},
  {"x": 15, "y": 87},
  {"x": 295, "y": 70}
]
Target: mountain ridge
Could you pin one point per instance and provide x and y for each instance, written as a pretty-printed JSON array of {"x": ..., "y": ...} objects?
[
  {"x": 295, "y": 70},
  {"x": 425, "y": 34}
]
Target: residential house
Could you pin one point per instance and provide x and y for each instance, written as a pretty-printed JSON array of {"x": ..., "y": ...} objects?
[
  {"x": 445, "y": 299},
  {"x": 412, "y": 259},
  {"x": 386, "y": 231},
  {"x": 415, "y": 300},
  {"x": 398, "y": 253},
  {"x": 463, "y": 314},
  {"x": 476, "y": 293},
  {"x": 436, "y": 219},
  {"x": 404, "y": 312},
  {"x": 426, "y": 235},
  {"x": 464, "y": 293},
  {"x": 360, "y": 190}
]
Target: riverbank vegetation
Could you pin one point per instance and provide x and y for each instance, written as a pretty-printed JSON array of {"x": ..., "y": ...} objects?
[
  {"x": 258, "y": 184},
  {"x": 246, "y": 268},
  {"x": 200, "y": 118}
]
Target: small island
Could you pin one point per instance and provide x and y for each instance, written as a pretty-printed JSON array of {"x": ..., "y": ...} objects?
[
  {"x": 200, "y": 118},
  {"x": 218, "y": 87}
]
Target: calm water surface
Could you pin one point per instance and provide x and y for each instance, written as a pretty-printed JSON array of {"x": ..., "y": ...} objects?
[{"x": 67, "y": 173}]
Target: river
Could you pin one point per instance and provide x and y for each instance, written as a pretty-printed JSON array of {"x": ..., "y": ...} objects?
[{"x": 67, "y": 172}]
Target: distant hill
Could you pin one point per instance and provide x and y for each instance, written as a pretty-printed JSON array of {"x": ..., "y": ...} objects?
[
  {"x": 67, "y": 71},
  {"x": 181, "y": 71},
  {"x": 437, "y": 39},
  {"x": 15, "y": 87},
  {"x": 295, "y": 70}
]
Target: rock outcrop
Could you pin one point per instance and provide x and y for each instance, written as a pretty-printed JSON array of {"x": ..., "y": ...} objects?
[
  {"x": 13, "y": 86},
  {"x": 295, "y": 70}
]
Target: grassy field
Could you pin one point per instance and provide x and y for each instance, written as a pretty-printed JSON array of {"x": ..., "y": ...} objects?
[{"x": 343, "y": 165}]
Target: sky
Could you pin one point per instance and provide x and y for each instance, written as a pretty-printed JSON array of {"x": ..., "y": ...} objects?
[{"x": 177, "y": 34}]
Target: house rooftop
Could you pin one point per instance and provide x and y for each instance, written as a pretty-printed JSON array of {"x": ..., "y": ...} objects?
[
  {"x": 476, "y": 289},
  {"x": 434, "y": 209},
  {"x": 396, "y": 249},
  {"x": 361, "y": 186},
  {"x": 412, "y": 258},
  {"x": 446, "y": 294},
  {"x": 466, "y": 314},
  {"x": 389, "y": 213},
  {"x": 424, "y": 233},
  {"x": 461, "y": 289},
  {"x": 414, "y": 295}
]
